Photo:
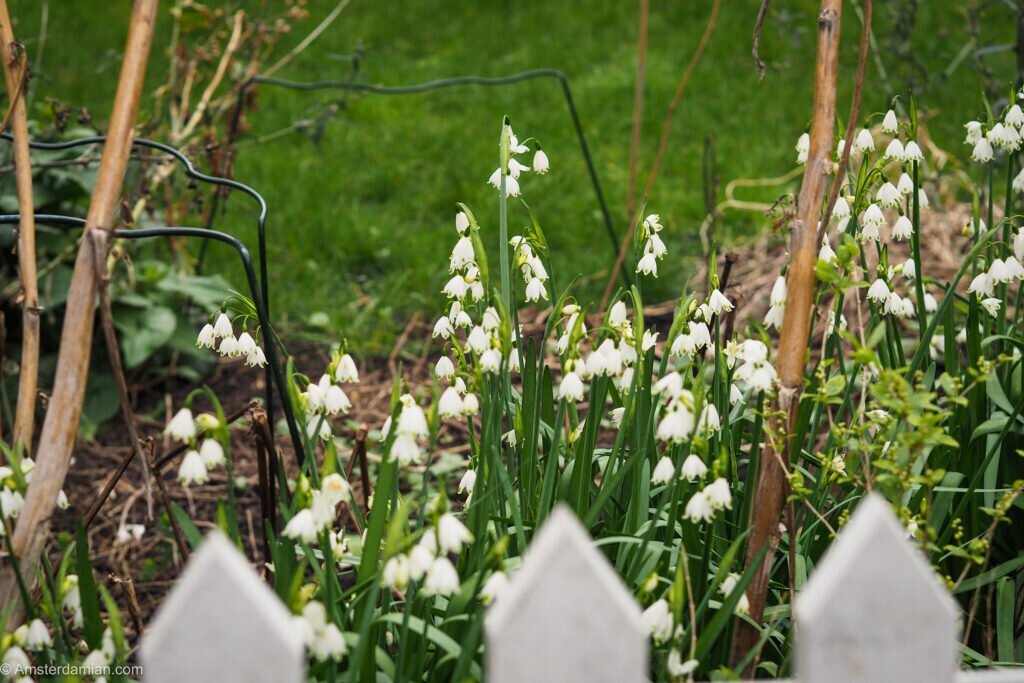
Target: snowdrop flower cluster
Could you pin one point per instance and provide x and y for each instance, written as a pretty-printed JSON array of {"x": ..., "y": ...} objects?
[
  {"x": 999, "y": 272},
  {"x": 308, "y": 523},
  {"x": 541, "y": 164},
  {"x": 13, "y": 483},
  {"x": 704, "y": 504},
  {"x": 327, "y": 398},
  {"x": 322, "y": 638},
  {"x": 754, "y": 371},
  {"x": 532, "y": 269},
  {"x": 657, "y": 621},
  {"x": 654, "y": 249},
  {"x": 411, "y": 429},
  {"x": 427, "y": 561},
  {"x": 205, "y": 452},
  {"x": 220, "y": 337},
  {"x": 727, "y": 586}
]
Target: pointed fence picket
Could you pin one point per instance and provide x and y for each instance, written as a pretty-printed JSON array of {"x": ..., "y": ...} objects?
[{"x": 873, "y": 611}]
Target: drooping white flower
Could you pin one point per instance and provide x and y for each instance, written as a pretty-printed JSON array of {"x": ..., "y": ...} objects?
[
  {"x": 864, "y": 142},
  {"x": 803, "y": 148},
  {"x": 826, "y": 253},
  {"x": 468, "y": 482},
  {"x": 11, "y": 503},
  {"x": 490, "y": 361},
  {"x": 841, "y": 209},
  {"x": 246, "y": 344},
  {"x": 395, "y": 574},
  {"x": 495, "y": 586},
  {"x": 889, "y": 123},
  {"x": 535, "y": 290},
  {"x": 616, "y": 415},
  {"x": 878, "y": 291},
  {"x": 912, "y": 152},
  {"x": 718, "y": 303},
  {"x": 470, "y": 405},
  {"x": 443, "y": 328},
  {"x": 182, "y": 427},
  {"x": 998, "y": 271},
  {"x": 256, "y": 359},
  {"x": 1014, "y": 116},
  {"x": 450, "y": 403},
  {"x": 663, "y": 471},
  {"x": 302, "y": 526},
  {"x": 648, "y": 265},
  {"x": 335, "y": 400},
  {"x": 1014, "y": 268},
  {"x": 657, "y": 621},
  {"x": 222, "y": 326},
  {"x": 902, "y": 229},
  {"x": 888, "y": 196},
  {"x": 442, "y": 579},
  {"x": 452, "y": 534},
  {"x": 982, "y": 152},
  {"x": 894, "y": 150},
  {"x": 930, "y": 304},
  {"x": 974, "y": 132},
  {"x": 677, "y": 667},
  {"x": 445, "y": 368},
  {"x": 212, "y": 453},
  {"x": 329, "y": 644},
  {"x": 461, "y": 222},
  {"x": 540, "y": 162},
  {"x": 873, "y": 216},
  {"x": 192, "y": 469},
  {"x": 709, "y": 421},
  {"x": 909, "y": 269},
  {"x": 718, "y": 494},
  {"x": 693, "y": 467},
  {"x": 677, "y": 424},
  {"x": 406, "y": 450},
  {"x": 571, "y": 387},
  {"x": 38, "y": 636},
  {"x": 698, "y": 508},
  {"x": 982, "y": 284},
  {"x": 412, "y": 420},
  {"x": 991, "y": 306},
  {"x": 905, "y": 184},
  {"x": 207, "y": 337}
]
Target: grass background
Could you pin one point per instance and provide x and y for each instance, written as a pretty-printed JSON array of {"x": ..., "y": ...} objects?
[{"x": 361, "y": 219}]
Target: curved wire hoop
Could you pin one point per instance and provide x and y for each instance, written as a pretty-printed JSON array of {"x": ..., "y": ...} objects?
[{"x": 274, "y": 370}]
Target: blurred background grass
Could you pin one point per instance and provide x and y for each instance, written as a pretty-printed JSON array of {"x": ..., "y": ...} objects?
[{"x": 361, "y": 212}]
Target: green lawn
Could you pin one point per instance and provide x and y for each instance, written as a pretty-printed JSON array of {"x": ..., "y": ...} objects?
[{"x": 361, "y": 223}]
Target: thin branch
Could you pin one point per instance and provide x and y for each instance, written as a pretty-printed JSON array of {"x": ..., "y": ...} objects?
[
  {"x": 851, "y": 125},
  {"x": 28, "y": 380},
  {"x": 638, "y": 104},
  {"x": 756, "y": 50},
  {"x": 662, "y": 146},
  {"x": 308, "y": 40}
]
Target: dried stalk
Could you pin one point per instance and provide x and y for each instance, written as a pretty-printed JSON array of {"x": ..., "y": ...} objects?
[
  {"x": 638, "y": 104},
  {"x": 15, "y": 65},
  {"x": 117, "y": 367},
  {"x": 65, "y": 406},
  {"x": 770, "y": 486},
  {"x": 662, "y": 146}
]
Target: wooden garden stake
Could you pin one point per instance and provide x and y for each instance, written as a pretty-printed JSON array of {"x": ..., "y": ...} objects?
[
  {"x": 65, "y": 407},
  {"x": 770, "y": 485},
  {"x": 15, "y": 66}
]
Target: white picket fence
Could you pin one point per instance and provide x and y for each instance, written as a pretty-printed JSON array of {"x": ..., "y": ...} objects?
[{"x": 873, "y": 612}]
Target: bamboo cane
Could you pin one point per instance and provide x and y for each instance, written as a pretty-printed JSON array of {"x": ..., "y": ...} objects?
[
  {"x": 15, "y": 66},
  {"x": 65, "y": 407},
  {"x": 770, "y": 487}
]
